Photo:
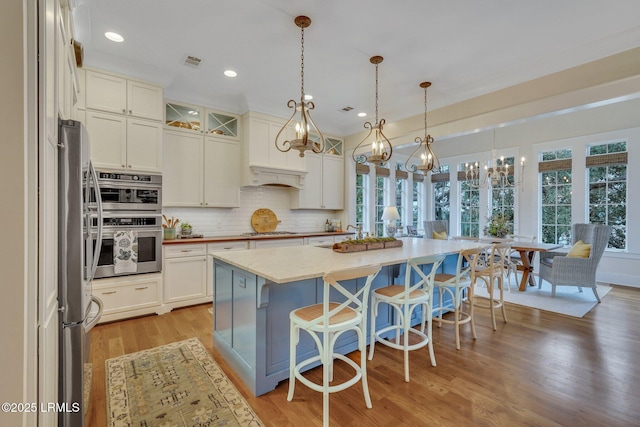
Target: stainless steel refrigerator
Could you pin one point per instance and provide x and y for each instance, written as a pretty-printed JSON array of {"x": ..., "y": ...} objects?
[{"x": 79, "y": 226}]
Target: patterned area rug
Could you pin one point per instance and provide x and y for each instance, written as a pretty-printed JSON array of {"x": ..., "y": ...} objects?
[
  {"x": 178, "y": 384},
  {"x": 568, "y": 300}
]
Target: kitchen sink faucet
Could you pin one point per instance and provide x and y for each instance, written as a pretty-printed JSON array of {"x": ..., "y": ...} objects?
[{"x": 358, "y": 230}]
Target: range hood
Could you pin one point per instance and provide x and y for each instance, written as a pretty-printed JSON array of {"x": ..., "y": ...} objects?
[{"x": 276, "y": 176}]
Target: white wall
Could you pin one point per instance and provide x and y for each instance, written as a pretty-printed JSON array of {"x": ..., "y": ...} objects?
[
  {"x": 221, "y": 222},
  {"x": 18, "y": 327}
]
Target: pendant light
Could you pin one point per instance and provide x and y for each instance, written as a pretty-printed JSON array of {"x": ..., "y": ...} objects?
[
  {"x": 381, "y": 148},
  {"x": 305, "y": 123},
  {"x": 427, "y": 158}
]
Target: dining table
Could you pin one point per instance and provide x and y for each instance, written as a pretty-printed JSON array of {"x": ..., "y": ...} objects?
[{"x": 527, "y": 251}]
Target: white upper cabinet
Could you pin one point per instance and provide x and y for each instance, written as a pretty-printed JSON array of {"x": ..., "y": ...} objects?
[
  {"x": 118, "y": 142},
  {"x": 194, "y": 119},
  {"x": 114, "y": 94},
  {"x": 324, "y": 183},
  {"x": 260, "y": 136},
  {"x": 200, "y": 171}
]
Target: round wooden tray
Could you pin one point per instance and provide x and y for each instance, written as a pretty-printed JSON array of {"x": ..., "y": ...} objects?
[{"x": 264, "y": 221}]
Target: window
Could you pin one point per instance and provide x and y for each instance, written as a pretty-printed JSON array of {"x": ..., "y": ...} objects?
[
  {"x": 607, "y": 175},
  {"x": 441, "y": 193},
  {"x": 362, "y": 190},
  {"x": 401, "y": 193},
  {"x": 380, "y": 190},
  {"x": 417, "y": 203},
  {"x": 503, "y": 196},
  {"x": 555, "y": 174},
  {"x": 469, "y": 206}
]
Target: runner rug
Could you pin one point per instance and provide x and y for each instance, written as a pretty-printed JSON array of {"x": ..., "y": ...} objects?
[
  {"x": 178, "y": 384},
  {"x": 568, "y": 300}
]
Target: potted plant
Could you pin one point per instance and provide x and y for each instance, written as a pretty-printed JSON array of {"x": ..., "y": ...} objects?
[
  {"x": 498, "y": 225},
  {"x": 185, "y": 229}
]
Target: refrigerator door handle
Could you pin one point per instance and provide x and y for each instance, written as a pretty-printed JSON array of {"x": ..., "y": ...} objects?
[
  {"x": 96, "y": 253},
  {"x": 91, "y": 323}
]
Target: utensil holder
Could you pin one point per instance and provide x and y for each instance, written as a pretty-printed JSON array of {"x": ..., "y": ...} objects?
[{"x": 169, "y": 233}]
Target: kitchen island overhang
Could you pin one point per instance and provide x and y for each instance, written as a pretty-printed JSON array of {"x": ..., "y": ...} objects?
[{"x": 255, "y": 290}]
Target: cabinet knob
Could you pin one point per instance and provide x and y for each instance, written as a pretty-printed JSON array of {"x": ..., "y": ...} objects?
[
  {"x": 124, "y": 166},
  {"x": 129, "y": 166},
  {"x": 130, "y": 112},
  {"x": 124, "y": 111}
]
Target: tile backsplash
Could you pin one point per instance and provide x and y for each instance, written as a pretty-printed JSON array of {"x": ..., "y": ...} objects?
[{"x": 225, "y": 221}]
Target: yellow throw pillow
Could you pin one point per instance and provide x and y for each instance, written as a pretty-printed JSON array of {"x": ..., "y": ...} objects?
[
  {"x": 580, "y": 250},
  {"x": 439, "y": 236}
]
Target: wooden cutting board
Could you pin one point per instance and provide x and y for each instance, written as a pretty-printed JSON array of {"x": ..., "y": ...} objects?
[{"x": 264, "y": 221}]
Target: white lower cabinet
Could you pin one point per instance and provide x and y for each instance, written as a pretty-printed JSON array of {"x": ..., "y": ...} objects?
[
  {"x": 319, "y": 240},
  {"x": 277, "y": 243},
  {"x": 185, "y": 274},
  {"x": 188, "y": 271},
  {"x": 129, "y": 296}
]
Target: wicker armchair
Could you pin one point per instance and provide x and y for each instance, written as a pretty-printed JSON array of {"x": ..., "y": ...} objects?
[
  {"x": 438, "y": 226},
  {"x": 560, "y": 270}
]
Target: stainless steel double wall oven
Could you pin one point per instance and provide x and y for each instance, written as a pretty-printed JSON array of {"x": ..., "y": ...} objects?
[{"x": 130, "y": 202}]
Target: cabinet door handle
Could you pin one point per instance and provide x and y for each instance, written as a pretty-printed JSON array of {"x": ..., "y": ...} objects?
[
  {"x": 141, "y": 288},
  {"x": 228, "y": 248},
  {"x": 109, "y": 293},
  {"x": 186, "y": 250}
]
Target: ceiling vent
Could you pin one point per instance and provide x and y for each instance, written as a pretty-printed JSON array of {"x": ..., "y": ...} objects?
[
  {"x": 192, "y": 61},
  {"x": 347, "y": 109}
]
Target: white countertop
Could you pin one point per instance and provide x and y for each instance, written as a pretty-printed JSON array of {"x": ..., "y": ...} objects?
[{"x": 290, "y": 264}]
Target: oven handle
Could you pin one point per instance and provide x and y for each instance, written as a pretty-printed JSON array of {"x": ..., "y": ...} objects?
[
  {"x": 129, "y": 214},
  {"x": 130, "y": 185}
]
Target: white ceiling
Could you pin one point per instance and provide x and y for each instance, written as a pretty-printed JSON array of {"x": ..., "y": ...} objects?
[{"x": 465, "y": 48}]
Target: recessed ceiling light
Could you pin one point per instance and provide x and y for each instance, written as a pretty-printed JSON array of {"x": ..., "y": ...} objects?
[
  {"x": 114, "y": 37},
  {"x": 308, "y": 97},
  {"x": 230, "y": 73},
  {"x": 362, "y": 114}
]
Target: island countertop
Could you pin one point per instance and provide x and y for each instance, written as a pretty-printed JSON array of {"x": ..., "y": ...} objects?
[{"x": 290, "y": 264}]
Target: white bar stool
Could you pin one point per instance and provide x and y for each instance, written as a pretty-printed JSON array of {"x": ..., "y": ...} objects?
[
  {"x": 404, "y": 299},
  {"x": 325, "y": 323}
]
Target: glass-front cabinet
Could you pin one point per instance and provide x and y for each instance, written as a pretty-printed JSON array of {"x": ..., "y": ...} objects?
[
  {"x": 222, "y": 124},
  {"x": 183, "y": 116},
  {"x": 201, "y": 120},
  {"x": 332, "y": 145}
]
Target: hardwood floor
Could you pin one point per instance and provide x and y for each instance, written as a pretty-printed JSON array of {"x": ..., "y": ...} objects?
[{"x": 540, "y": 369}]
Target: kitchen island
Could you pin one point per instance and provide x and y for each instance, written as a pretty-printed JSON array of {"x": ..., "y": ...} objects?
[{"x": 255, "y": 290}]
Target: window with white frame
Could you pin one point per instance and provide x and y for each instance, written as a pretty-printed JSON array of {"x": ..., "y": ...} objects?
[
  {"x": 607, "y": 192},
  {"x": 401, "y": 192},
  {"x": 556, "y": 187},
  {"x": 441, "y": 183},
  {"x": 362, "y": 198},
  {"x": 469, "y": 205},
  {"x": 503, "y": 196},
  {"x": 417, "y": 203},
  {"x": 379, "y": 202}
]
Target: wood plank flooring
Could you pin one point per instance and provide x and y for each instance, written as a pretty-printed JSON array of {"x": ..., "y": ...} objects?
[{"x": 540, "y": 369}]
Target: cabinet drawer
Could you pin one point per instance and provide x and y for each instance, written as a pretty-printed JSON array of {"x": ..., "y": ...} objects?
[
  {"x": 228, "y": 246},
  {"x": 185, "y": 250},
  {"x": 319, "y": 240},
  {"x": 131, "y": 296}
]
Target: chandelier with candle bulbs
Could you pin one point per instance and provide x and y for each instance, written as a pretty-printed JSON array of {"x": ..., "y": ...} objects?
[
  {"x": 427, "y": 160},
  {"x": 496, "y": 173},
  {"x": 305, "y": 123},
  {"x": 381, "y": 148}
]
